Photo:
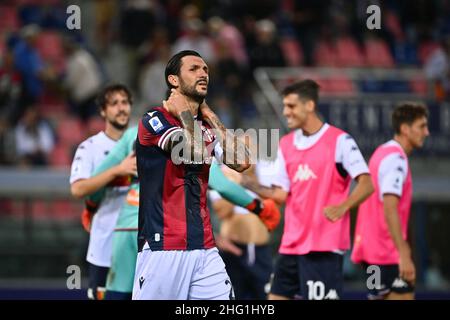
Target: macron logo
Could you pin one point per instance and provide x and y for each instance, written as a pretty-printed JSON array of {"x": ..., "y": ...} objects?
[{"x": 304, "y": 173}]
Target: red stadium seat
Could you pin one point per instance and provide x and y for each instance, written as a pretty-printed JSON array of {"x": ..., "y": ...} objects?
[
  {"x": 340, "y": 85},
  {"x": 419, "y": 86},
  {"x": 95, "y": 125},
  {"x": 49, "y": 45},
  {"x": 292, "y": 51},
  {"x": 70, "y": 131},
  {"x": 39, "y": 209},
  {"x": 59, "y": 157},
  {"x": 64, "y": 209},
  {"x": 324, "y": 55},
  {"x": 426, "y": 49},
  {"x": 348, "y": 53},
  {"x": 378, "y": 54},
  {"x": 8, "y": 19},
  {"x": 52, "y": 110}
]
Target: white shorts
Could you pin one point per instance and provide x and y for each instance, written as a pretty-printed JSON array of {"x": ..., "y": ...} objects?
[{"x": 181, "y": 275}]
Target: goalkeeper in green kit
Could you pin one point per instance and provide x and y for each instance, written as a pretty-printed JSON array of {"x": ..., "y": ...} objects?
[{"x": 119, "y": 285}]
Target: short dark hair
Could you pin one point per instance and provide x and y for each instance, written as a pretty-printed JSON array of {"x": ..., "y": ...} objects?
[
  {"x": 306, "y": 89},
  {"x": 174, "y": 65},
  {"x": 102, "y": 97},
  {"x": 407, "y": 112}
]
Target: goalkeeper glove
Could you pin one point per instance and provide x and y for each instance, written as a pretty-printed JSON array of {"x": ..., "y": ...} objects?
[
  {"x": 267, "y": 211},
  {"x": 88, "y": 214}
]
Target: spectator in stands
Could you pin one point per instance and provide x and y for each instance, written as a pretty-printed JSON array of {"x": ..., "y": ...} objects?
[
  {"x": 437, "y": 69},
  {"x": 152, "y": 86},
  {"x": 137, "y": 22},
  {"x": 31, "y": 66},
  {"x": 82, "y": 80},
  {"x": 227, "y": 34},
  {"x": 194, "y": 39},
  {"x": 266, "y": 51},
  {"x": 34, "y": 139},
  {"x": 10, "y": 86},
  {"x": 306, "y": 19}
]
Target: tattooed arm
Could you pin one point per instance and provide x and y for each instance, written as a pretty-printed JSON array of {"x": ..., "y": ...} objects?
[
  {"x": 191, "y": 141},
  {"x": 236, "y": 153}
]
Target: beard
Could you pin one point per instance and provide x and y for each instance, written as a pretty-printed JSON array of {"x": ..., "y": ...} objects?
[
  {"x": 192, "y": 92},
  {"x": 119, "y": 126}
]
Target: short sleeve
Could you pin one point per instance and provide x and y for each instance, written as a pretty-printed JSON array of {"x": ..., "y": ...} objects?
[
  {"x": 156, "y": 130},
  {"x": 392, "y": 174},
  {"x": 83, "y": 162},
  {"x": 281, "y": 178},
  {"x": 350, "y": 156}
]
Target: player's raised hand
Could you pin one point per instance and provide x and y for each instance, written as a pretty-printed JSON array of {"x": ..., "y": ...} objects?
[
  {"x": 334, "y": 213},
  {"x": 176, "y": 103},
  {"x": 128, "y": 166}
]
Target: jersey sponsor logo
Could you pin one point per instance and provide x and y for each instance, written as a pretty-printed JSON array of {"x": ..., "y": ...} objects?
[
  {"x": 156, "y": 124},
  {"x": 304, "y": 173}
]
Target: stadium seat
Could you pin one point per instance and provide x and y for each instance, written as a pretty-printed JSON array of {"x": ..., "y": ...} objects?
[
  {"x": 64, "y": 209},
  {"x": 39, "y": 209},
  {"x": 419, "y": 86},
  {"x": 378, "y": 54},
  {"x": 59, "y": 157},
  {"x": 405, "y": 54},
  {"x": 348, "y": 53},
  {"x": 292, "y": 51},
  {"x": 49, "y": 45},
  {"x": 53, "y": 111},
  {"x": 8, "y": 19},
  {"x": 341, "y": 86},
  {"x": 69, "y": 131},
  {"x": 324, "y": 55},
  {"x": 426, "y": 49}
]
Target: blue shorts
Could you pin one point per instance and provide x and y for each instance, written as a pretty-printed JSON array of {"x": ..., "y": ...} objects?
[
  {"x": 389, "y": 282},
  {"x": 250, "y": 272},
  {"x": 97, "y": 282},
  {"x": 313, "y": 276}
]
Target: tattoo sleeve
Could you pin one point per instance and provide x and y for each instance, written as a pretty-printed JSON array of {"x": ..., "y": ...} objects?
[
  {"x": 192, "y": 145},
  {"x": 236, "y": 153}
]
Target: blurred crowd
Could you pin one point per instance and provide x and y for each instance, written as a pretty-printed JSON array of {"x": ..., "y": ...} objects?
[{"x": 49, "y": 75}]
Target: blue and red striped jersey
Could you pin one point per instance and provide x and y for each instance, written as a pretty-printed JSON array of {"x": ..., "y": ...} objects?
[{"x": 173, "y": 211}]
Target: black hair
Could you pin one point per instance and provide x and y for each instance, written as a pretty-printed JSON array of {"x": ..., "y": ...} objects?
[
  {"x": 306, "y": 89},
  {"x": 174, "y": 65}
]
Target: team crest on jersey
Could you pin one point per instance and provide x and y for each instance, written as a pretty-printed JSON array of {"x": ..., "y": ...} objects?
[{"x": 156, "y": 124}]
